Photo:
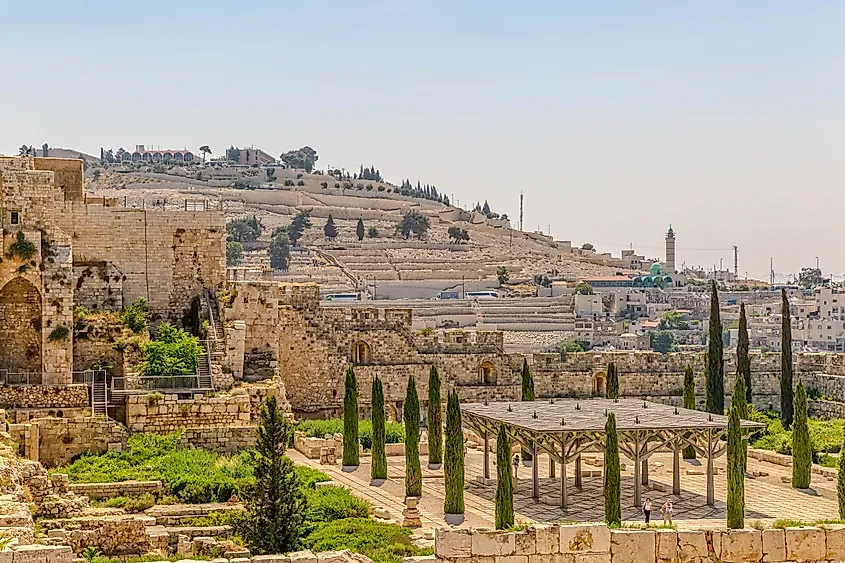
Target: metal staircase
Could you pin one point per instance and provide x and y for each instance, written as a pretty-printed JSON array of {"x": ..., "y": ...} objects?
[
  {"x": 99, "y": 394},
  {"x": 204, "y": 380}
]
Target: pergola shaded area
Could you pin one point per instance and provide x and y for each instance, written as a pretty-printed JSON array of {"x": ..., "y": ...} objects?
[{"x": 567, "y": 428}]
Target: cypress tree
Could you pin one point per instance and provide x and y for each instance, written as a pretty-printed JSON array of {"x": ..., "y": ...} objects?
[
  {"x": 715, "y": 385},
  {"x": 359, "y": 229},
  {"x": 435, "y": 419},
  {"x": 738, "y": 403},
  {"x": 612, "y": 477},
  {"x": 612, "y": 381},
  {"x": 840, "y": 481},
  {"x": 350, "y": 420},
  {"x": 736, "y": 467},
  {"x": 275, "y": 504},
  {"x": 453, "y": 472},
  {"x": 411, "y": 414},
  {"x": 527, "y": 395},
  {"x": 504, "y": 487},
  {"x": 743, "y": 361},
  {"x": 378, "y": 469},
  {"x": 786, "y": 396},
  {"x": 802, "y": 449},
  {"x": 689, "y": 403}
]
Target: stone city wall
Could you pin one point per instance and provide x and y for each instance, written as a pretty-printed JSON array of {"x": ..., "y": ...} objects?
[
  {"x": 98, "y": 286},
  {"x": 597, "y": 544},
  {"x": 110, "y": 490},
  {"x": 44, "y": 396}
]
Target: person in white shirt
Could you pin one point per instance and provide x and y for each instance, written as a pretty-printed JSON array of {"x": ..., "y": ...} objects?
[{"x": 647, "y": 509}]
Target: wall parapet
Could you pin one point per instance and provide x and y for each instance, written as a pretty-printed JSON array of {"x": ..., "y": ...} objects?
[{"x": 594, "y": 543}]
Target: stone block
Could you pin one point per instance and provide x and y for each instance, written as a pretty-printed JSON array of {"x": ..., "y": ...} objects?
[
  {"x": 632, "y": 546},
  {"x": 804, "y": 544},
  {"x": 774, "y": 546},
  {"x": 666, "y": 547},
  {"x": 551, "y": 558},
  {"x": 591, "y": 557},
  {"x": 306, "y": 556},
  {"x": 512, "y": 559},
  {"x": 585, "y": 539},
  {"x": 29, "y": 554},
  {"x": 692, "y": 546},
  {"x": 448, "y": 544},
  {"x": 740, "y": 546},
  {"x": 493, "y": 543},
  {"x": 525, "y": 542},
  {"x": 548, "y": 538},
  {"x": 835, "y": 541}
]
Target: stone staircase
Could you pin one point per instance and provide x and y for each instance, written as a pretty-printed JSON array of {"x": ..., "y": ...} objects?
[{"x": 99, "y": 395}]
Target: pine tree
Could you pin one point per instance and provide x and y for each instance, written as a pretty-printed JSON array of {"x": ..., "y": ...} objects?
[
  {"x": 802, "y": 449},
  {"x": 435, "y": 419},
  {"x": 840, "y": 480},
  {"x": 275, "y": 504},
  {"x": 786, "y": 396},
  {"x": 743, "y": 361},
  {"x": 527, "y": 395},
  {"x": 504, "y": 486},
  {"x": 689, "y": 403},
  {"x": 411, "y": 414},
  {"x": 612, "y": 381},
  {"x": 378, "y": 469},
  {"x": 736, "y": 467},
  {"x": 612, "y": 477},
  {"x": 350, "y": 420},
  {"x": 715, "y": 384},
  {"x": 453, "y": 471},
  {"x": 359, "y": 229},
  {"x": 330, "y": 230}
]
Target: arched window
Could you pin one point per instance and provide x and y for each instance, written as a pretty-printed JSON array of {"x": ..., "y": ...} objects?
[
  {"x": 487, "y": 373},
  {"x": 361, "y": 353}
]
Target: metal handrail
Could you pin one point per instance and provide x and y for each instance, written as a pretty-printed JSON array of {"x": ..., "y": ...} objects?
[{"x": 154, "y": 383}]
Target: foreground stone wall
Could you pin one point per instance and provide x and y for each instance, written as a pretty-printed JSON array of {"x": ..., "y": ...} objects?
[
  {"x": 598, "y": 544},
  {"x": 118, "y": 489},
  {"x": 60, "y": 440}
]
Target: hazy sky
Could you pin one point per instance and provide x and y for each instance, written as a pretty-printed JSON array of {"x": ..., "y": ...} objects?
[{"x": 614, "y": 118}]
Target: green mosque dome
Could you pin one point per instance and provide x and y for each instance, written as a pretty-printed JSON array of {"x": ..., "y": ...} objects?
[{"x": 656, "y": 269}]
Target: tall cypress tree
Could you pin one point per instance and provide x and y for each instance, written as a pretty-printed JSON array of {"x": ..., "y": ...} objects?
[
  {"x": 453, "y": 471},
  {"x": 802, "y": 449},
  {"x": 612, "y": 381},
  {"x": 411, "y": 415},
  {"x": 715, "y": 385},
  {"x": 840, "y": 480},
  {"x": 378, "y": 469},
  {"x": 743, "y": 361},
  {"x": 504, "y": 487},
  {"x": 786, "y": 396},
  {"x": 527, "y": 395},
  {"x": 359, "y": 229},
  {"x": 350, "y": 420},
  {"x": 689, "y": 403},
  {"x": 738, "y": 402},
  {"x": 612, "y": 477},
  {"x": 435, "y": 418},
  {"x": 736, "y": 466},
  {"x": 275, "y": 504}
]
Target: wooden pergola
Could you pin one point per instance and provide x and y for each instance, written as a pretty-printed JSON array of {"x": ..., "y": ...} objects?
[{"x": 567, "y": 428}]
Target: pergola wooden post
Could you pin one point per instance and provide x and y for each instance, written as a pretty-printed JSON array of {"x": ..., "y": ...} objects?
[{"x": 486, "y": 455}]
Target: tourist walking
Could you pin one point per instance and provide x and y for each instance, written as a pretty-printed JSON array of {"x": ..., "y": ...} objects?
[
  {"x": 667, "y": 512},
  {"x": 647, "y": 509}
]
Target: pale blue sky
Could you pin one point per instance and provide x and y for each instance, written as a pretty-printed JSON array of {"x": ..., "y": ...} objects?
[{"x": 614, "y": 118}]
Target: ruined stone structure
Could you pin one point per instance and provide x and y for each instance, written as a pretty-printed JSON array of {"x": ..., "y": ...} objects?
[{"x": 60, "y": 250}]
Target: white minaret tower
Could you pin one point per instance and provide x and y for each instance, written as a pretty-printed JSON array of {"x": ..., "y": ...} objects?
[{"x": 670, "y": 251}]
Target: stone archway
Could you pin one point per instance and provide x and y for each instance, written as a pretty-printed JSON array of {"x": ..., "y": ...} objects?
[
  {"x": 599, "y": 384},
  {"x": 20, "y": 326},
  {"x": 361, "y": 353},
  {"x": 487, "y": 373}
]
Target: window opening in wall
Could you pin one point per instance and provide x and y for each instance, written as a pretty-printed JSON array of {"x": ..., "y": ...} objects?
[{"x": 15, "y": 217}]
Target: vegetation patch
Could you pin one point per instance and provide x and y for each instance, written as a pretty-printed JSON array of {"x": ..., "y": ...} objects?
[
  {"x": 383, "y": 543},
  {"x": 825, "y": 436},
  {"x": 394, "y": 431}
]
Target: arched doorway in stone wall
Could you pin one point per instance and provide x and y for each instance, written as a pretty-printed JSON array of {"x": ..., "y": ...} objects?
[
  {"x": 361, "y": 353},
  {"x": 599, "y": 384},
  {"x": 487, "y": 373},
  {"x": 20, "y": 326}
]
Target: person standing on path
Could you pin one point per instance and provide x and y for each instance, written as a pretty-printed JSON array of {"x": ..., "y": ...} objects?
[
  {"x": 647, "y": 509},
  {"x": 667, "y": 512}
]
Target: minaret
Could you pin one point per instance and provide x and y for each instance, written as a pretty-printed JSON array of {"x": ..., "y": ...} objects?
[{"x": 670, "y": 251}]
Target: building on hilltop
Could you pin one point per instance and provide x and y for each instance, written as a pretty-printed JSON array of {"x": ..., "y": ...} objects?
[
  {"x": 140, "y": 154},
  {"x": 253, "y": 157},
  {"x": 61, "y": 251}
]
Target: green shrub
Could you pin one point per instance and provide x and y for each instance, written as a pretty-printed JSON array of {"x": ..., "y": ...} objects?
[
  {"x": 59, "y": 333},
  {"x": 334, "y": 503},
  {"x": 22, "y": 249},
  {"x": 131, "y": 503},
  {"x": 394, "y": 431},
  {"x": 134, "y": 317},
  {"x": 174, "y": 352},
  {"x": 825, "y": 435},
  {"x": 381, "y": 542}
]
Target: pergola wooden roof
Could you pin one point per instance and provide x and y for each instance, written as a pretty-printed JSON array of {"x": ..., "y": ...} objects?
[{"x": 566, "y": 428}]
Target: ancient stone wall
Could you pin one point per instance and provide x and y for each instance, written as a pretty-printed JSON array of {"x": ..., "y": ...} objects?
[
  {"x": 67, "y": 175},
  {"x": 98, "y": 286},
  {"x": 62, "y": 439},
  {"x": 165, "y": 413},
  {"x": 94, "y": 344},
  {"x": 113, "y": 535},
  {"x": 225, "y": 440},
  {"x": 582, "y": 543},
  {"x": 44, "y": 396},
  {"x": 122, "y": 488}
]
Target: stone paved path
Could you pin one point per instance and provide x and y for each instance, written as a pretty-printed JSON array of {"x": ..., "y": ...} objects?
[{"x": 767, "y": 497}]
